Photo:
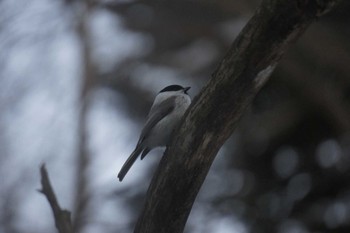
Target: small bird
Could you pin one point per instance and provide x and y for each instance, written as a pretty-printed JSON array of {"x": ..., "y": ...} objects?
[{"x": 166, "y": 112}]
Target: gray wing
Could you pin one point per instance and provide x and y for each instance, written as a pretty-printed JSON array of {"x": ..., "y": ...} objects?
[{"x": 157, "y": 112}]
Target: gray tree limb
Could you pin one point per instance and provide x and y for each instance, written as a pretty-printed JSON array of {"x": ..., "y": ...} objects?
[
  {"x": 215, "y": 112},
  {"x": 88, "y": 80},
  {"x": 62, "y": 217}
]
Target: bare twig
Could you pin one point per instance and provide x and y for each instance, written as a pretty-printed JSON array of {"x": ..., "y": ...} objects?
[{"x": 62, "y": 217}]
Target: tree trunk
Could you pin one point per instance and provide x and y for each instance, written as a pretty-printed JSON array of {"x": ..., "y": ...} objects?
[{"x": 215, "y": 112}]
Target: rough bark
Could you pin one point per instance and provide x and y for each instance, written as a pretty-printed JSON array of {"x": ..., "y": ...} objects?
[{"x": 215, "y": 112}]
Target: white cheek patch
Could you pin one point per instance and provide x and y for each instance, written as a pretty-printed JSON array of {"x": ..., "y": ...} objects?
[{"x": 263, "y": 76}]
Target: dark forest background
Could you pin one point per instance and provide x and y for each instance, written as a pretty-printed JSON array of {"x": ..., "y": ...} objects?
[{"x": 286, "y": 168}]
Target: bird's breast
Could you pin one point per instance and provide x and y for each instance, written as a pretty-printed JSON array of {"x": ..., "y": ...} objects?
[{"x": 161, "y": 133}]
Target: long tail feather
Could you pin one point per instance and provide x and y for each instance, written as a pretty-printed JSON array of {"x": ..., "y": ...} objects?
[{"x": 127, "y": 165}]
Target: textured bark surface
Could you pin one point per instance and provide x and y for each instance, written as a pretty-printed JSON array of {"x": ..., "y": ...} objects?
[{"x": 216, "y": 110}]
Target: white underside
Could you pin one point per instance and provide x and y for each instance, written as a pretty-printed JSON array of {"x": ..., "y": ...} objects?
[{"x": 161, "y": 133}]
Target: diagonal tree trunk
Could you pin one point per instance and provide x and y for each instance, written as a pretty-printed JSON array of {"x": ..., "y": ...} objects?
[{"x": 216, "y": 110}]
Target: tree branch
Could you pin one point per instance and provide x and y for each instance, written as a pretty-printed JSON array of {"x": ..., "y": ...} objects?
[
  {"x": 62, "y": 217},
  {"x": 216, "y": 110},
  {"x": 88, "y": 80}
]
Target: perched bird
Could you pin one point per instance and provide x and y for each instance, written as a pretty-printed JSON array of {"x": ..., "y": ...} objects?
[{"x": 166, "y": 112}]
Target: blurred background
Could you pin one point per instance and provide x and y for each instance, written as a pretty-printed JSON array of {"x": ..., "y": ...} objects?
[{"x": 77, "y": 79}]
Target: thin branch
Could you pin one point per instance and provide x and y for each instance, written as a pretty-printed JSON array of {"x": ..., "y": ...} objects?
[
  {"x": 62, "y": 217},
  {"x": 215, "y": 113},
  {"x": 82, "y": 196}
]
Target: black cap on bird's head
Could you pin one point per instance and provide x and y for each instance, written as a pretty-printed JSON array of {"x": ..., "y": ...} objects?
[{"x": 175, "y": 88}]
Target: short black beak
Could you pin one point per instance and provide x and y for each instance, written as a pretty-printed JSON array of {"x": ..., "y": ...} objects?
[{"x": 186, "y": 89}]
